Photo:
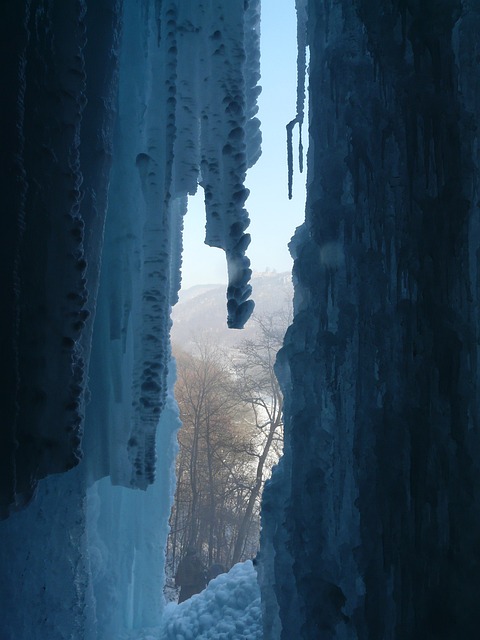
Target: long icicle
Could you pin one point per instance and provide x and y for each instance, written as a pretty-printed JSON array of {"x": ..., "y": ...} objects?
[{"x": 301, "y": 9}]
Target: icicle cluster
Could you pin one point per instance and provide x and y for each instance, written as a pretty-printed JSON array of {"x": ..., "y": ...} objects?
[
  {"x": 200, "y": 87},
  {"x": 218, "y": 136},
  {"x": 223, "y": 42},
  {"x": 136, "y": 117}
]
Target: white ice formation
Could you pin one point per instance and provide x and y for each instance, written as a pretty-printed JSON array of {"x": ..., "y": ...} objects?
[
  {"x": 116, "y": 111},
  {"x": 123, "y": 117}
]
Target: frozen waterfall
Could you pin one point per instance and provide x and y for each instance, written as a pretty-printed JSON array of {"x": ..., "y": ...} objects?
[
  {"x": 113, "y": 112},
  {"x": 116, "y": 111}
]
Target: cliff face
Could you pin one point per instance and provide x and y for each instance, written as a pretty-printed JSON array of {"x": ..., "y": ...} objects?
[{"x": 378, "y": 492}]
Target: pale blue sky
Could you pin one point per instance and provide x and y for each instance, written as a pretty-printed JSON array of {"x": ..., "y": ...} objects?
[{"x": 273, "y": 217}]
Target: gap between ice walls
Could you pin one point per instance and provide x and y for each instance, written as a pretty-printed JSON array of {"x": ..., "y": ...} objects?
[{"x": 117, "y": 111}]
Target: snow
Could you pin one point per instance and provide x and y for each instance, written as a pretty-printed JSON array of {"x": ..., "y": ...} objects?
[{"x": 228, "y": 609}]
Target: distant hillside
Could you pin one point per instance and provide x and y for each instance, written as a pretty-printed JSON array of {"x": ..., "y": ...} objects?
[{"x": 202, "y": 311}]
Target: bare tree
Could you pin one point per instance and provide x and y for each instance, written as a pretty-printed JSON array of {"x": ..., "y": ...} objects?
[
  {"x": 213, "y": 465},
  {"x": 231, "y": 409},
  {"x": 258, "y": 388}
]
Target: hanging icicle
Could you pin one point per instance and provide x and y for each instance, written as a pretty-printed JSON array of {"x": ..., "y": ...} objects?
[{"x": 301, "y": 9}]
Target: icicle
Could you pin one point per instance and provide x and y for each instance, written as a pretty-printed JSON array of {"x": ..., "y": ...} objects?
[
  {"x": 290, "y": 127},
  {"x": 300, "y": 150},
  {"x": 301, "y": 8},
  {"x": 230, "y": 141}
]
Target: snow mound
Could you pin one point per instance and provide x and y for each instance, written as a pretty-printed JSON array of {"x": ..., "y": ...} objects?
[{"x": 228, "y": 609}]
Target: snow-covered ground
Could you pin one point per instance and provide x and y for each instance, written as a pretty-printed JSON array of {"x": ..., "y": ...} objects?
[{"x": 228, "y": 609}]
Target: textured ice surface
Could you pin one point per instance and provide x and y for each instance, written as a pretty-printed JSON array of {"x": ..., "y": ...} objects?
[
  {"x": 44, "y": 243},
  {"x": 123, "y": 117},
  {"x": 45, "y": 591}
]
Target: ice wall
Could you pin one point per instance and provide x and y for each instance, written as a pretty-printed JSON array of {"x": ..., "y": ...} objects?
[
  {"x": 54, "y": 213},
  {"x": 127, "y": 535},
  {"x": 371, "y": 521},
  {"x": 186, "y": 106},
  {"x": 167, "y": 91},
  {"x": 115, "y": 111}
]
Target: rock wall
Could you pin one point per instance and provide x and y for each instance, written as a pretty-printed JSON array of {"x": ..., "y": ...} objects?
[{"x": 371, "y": 522}]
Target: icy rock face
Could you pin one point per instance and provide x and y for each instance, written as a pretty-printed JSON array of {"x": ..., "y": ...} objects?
[
  {"x": 49, "y": 230},
  {"x": 123, "y": 106},
  {"x": 107, "y": 130},
  {"x": 142, "y": 242},
  {"x": 370, "y": 523},
  {"x": 45, "y": 591},
  {"x": 86, "y": 562}
]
